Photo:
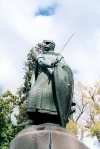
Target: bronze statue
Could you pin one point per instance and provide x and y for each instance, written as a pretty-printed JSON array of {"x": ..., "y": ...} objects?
[
  {"x": 50, "y": 97},
  {"x": 49, "y": 104}
]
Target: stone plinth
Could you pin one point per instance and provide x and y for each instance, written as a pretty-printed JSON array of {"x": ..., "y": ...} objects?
[{"x": 46, "y": 137}]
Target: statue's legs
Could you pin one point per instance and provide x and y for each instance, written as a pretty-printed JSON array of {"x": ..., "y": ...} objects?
[{"x": 40, "y": 118}]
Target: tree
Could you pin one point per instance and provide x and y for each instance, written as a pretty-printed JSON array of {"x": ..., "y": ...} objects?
[
  {"x": 94, "y": 113},
  {"x": 72, "y": 126},
  {"x": 87, "y": 98},
  {"x": 7, "y": 131},
  {"x": 82, "y": 101},
  {"x": 23, "y": 91}
]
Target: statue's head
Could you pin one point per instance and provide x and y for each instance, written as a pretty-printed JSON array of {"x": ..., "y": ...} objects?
[{"x": 48, "y": 45}]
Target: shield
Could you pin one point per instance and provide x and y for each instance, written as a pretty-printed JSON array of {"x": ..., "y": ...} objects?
[{"x": 64, "y": 83}]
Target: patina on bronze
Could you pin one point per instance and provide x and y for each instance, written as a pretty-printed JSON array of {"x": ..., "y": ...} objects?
[
  {"x": 51, "y": 93},
  {"x": 64, "y": 90}
]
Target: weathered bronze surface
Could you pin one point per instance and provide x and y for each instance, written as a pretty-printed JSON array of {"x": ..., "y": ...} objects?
[
  {"x": 64, "y": 91},
  {"x": 51, "y": 93}
]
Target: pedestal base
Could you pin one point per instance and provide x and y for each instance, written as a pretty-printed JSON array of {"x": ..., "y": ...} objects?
[{"x": 46, "y": 137}]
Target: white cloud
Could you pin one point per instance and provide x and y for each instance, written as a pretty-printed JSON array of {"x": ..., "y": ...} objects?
[
  {"x": 20, "y": 30},
  {"x": 9, "y": 76}
]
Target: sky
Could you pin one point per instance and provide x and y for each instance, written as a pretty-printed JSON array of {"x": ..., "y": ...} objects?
[
  {"x": 24, "y": 23},
  {"x": 91, "y": 142}
]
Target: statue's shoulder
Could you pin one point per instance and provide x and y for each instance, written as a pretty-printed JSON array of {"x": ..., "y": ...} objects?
[{"x": 51, "y": 53}]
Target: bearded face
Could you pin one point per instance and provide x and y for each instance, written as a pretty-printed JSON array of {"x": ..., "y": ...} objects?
[{"x": 48, "y": 45}]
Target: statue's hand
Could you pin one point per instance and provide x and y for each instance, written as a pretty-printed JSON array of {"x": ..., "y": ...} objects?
[
  {"x": 59, "y": 57},
  {"x": 54, "y": 63}
]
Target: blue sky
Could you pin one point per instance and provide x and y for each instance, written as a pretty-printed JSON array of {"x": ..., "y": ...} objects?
[
  {"x": 48, "y": 11},
  {"x": 24, "y": 23},
  {"x": 1, "y": 89}
]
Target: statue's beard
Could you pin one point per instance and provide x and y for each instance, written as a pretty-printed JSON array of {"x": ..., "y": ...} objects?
[{"x": 47, "y": 49}]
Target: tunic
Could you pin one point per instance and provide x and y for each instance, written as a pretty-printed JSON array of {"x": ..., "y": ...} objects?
[{"x": 42, "y": 96}]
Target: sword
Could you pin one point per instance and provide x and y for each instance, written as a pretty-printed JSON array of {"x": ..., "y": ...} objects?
[{"x": 65, "y": 44}]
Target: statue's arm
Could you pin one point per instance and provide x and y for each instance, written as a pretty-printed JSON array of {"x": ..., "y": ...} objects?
[
  {"x": 63, "y": 61},
  {"x": 48, "y": 64},
  {"x": 44, "y": 63}
]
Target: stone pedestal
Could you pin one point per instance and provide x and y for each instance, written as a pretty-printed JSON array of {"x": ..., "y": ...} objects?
[{"x": 46, "y": 136}]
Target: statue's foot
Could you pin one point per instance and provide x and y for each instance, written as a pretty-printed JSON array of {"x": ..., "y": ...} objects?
[{"x": 27, "y": 123}]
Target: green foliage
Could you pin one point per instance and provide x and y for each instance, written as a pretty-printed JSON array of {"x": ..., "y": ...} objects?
[
  {"x": 7, "y": 130},
  {"x": 72, "y": 126},
  {"x": 23, "y": 91},
  {"x": 88, "y": 106},
  {"x": 95, "y": 128}
]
